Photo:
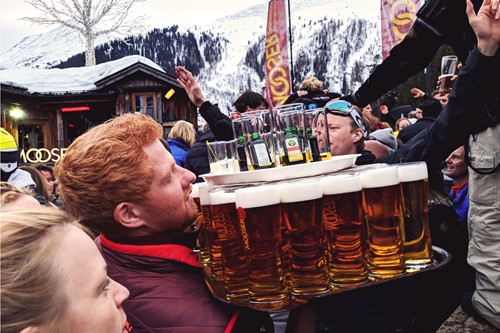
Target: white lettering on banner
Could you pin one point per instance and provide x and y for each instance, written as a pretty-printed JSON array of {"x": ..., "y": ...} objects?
[{"x": 42, "y": 155}]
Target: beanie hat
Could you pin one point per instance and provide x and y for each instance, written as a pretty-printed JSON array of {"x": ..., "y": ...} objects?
[{"x": 385, "y": 136}]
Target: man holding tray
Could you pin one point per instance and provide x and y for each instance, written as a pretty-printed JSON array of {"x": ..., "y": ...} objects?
[{"x": 119, "y": 180}]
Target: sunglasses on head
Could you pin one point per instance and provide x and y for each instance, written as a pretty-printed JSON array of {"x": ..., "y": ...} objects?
[{"x": 344, "y": 108}]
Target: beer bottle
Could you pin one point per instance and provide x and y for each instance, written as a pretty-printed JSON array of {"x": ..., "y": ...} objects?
[
  {"x": 315, "y": 152},
  {"x": 292, "y": 147},
  {"x": 242, "y": 156},
  {"x": 260, "y": 152}
]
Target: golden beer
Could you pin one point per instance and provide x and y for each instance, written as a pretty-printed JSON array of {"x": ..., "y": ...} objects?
[
  {"x": 202, "y": 241},
  {"x": 414, "y": 207},
  {"x": 301, "y": 206},
  {"x": 227, "y": 225},
  {"x": 211, "y": 248},
  {"x": 260, "y": 223},
  {"x": 381, "y": 201},
  {"x": 342, "y": 218}
]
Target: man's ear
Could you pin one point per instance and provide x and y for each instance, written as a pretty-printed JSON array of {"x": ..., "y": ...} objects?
[
  {"x": 128, "y": 215},
  {"x": 357, "y": 135}
]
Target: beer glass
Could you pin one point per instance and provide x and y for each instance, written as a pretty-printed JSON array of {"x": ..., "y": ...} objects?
[
  {"x": 381, "y": 200},
  {"x": 241, "y": 143},
  {"x": 202, "y": 240},
  {"x": 316, "y": 132},
  {"x": 260, "y": 222},
  {"x": 414, "y": 207},
  {"x": 210, "y": 251},
  {"x": 292, "y": 145},
  {"x": 343, "y": 221},
  {"x": 301, "y": 206},
  {"x": 258, "y": 128},
  {"x": 222, "y": 156},
  {"x": 448, "y": 68},
  {"x": 289, "y": 127},
  {"x": 227, "y": 226}
]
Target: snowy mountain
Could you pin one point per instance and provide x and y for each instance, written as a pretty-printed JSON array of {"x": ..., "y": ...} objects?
[{"x": 335, "y": 41}]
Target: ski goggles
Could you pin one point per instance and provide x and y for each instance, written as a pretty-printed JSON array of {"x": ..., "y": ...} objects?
[{"x": 344, "y": 108}]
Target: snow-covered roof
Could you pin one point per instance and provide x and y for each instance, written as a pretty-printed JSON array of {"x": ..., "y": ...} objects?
[{"x": 74, "y": 79}]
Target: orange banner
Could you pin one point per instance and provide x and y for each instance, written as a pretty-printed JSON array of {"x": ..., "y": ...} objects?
[
  {"x": 277, "y": 63},
  {"x": 397, "y": 19}
]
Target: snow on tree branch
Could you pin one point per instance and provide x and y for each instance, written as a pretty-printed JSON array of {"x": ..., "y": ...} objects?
[{"x": 90, "y": 18}]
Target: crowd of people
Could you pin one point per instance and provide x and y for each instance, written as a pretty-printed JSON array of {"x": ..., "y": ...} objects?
[{"x": 103, "y": 241}]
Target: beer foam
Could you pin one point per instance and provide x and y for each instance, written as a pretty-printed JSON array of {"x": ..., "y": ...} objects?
[
  {"x": 195, "y": 193},
  {"x": 345, "y": 183},
  {"x": 205, "y": 195},
  {"x": 296, "y": 191},
  {"x": 379, "y": 177},
  {"x": 412, "y": 171},
  {"x": 221, "y": 197},
  {"x": 257, "y": 196}
]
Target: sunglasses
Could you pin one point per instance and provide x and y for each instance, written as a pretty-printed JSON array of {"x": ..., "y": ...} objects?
[{"x": 344, "y": 108}]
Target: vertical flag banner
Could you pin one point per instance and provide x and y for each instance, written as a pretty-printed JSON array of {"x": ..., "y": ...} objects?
[
  {"x": 397, "y": 18},
  {"x": 278, "y": 86}
]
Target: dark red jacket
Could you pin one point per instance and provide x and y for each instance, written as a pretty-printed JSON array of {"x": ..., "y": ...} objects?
[{"x": 167, "y": 290}]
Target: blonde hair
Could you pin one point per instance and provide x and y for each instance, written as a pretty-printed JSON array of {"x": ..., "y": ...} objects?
[
  {"x": 311, "y": 83},
  {"x": 30, "y": 283},
  {"x": 10, "y": 193},
  {"x": 105, "y": 166},
  {"x": 183, "y": 131}
]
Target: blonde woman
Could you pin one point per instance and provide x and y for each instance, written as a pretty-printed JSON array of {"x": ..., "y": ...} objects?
[
  {"x": 53, "y": 278},
  {"x": 12, "y": 196},
  {"x": 180, "y": 139}
]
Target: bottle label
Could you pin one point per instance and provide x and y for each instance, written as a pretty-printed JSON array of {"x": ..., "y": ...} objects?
[
  {"x": 261, "y": 154},
  {"x": 293, "y": 149}
]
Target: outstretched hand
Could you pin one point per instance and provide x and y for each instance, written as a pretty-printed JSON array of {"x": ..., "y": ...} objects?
[
  {"x": 187, "y": 81},
  {"x": 486, "y": 25},
  {"x": 417, "y": 92}
]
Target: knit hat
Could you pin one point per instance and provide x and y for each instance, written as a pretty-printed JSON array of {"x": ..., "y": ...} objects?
[{"x": 385, "y": 136}]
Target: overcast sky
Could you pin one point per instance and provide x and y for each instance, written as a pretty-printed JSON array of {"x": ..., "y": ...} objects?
[{"x": 162, "y": 13}]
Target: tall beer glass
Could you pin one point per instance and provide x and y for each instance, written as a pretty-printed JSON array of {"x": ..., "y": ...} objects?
[
  {"x": 211, "y": 249},
  {"x": 301, "y": 208},
  {"x": 381, "y": 201},
  {"x": 227, "y": 225},
  {"x": 414, "y": 207},
  {"x": 202, "y": 241},
  {"x": 343, "y": 221},
  {"x": 260, "y": 221}
]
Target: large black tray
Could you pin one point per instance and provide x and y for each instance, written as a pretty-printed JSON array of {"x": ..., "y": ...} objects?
[{"x": 440, "y": 258}]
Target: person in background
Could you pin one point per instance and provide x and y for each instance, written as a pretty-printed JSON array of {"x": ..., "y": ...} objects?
[
  {"x": 312, "y": 90},
  {"x": 427, "y": 112},
  {"x": 441, "y": 97},
  {"x": 375, "y": 123},
  {"x": 145, "y": 225},
  {"x": 53, "y": 278},
  {"x": 458, "y": 171},
  {"x": 180, "y": 138},
  {"x": 219, "y": 123},
  {"x": 48, "y": 172},
  {"x": 197, "y": 156},
  {"x": 400, "y": 124},
  {"x": 12, "y": 196},
  {"x": 472, "y": 114},
  {"x": 347, "y": 131},
  {"x": 9, "y": 159},
  {"x": 41, "y": 189}
]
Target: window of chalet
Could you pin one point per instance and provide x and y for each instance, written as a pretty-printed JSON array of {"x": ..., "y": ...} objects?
[{"x": 145, "y": 103}]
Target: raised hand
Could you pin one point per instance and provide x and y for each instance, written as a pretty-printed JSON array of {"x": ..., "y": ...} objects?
[
  {"x": 187, "y": 81},
  {"x": 486, "y": 26}
]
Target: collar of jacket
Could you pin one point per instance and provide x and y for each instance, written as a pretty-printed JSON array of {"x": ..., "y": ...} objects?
[{"x": 175, "y": 252}]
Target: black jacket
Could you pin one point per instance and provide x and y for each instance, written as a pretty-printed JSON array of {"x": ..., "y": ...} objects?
[
  {"x": 438, "y": 22},
  {"x": 197, "y": 157},
  {"x": 409, "y": 132},
  {"x": 219, "y": 123}
]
